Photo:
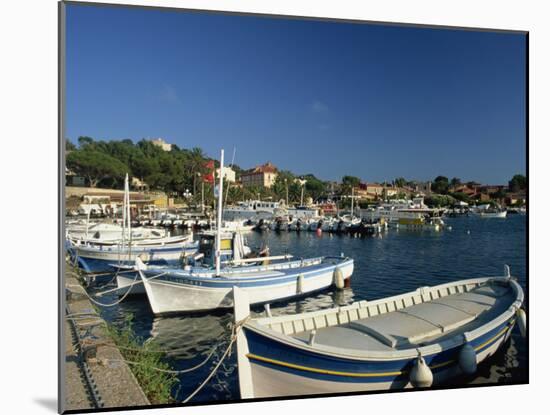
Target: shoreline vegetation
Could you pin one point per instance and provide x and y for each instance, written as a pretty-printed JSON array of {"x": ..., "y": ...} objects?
[
  {"x": 180, "y": 173},
  {"x": 146, "y": 360}
]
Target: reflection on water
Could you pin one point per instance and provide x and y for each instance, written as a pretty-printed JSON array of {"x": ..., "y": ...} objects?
[{"x": 393, "y": 262}]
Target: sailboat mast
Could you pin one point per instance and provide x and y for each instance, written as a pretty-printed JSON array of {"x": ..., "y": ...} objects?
[
  {"x": 219, "y": 220},
  {"x": 124, "y": 212},
  {"x": 352, "y": 197},
  {"x": 129, "y": 227}
]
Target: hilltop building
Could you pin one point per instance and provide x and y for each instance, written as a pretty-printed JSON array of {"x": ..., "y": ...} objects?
[
  {"x": 159, "y": 142},
  {"x": 263, "y": 176}
]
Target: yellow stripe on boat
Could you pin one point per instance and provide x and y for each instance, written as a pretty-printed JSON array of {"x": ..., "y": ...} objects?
[
  {"x": 322, "y": 371},
  {"x": 364, "y": 375},
  {"x": 504, "y": 330}
]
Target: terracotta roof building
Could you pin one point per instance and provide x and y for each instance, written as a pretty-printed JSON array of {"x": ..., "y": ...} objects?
[{"x": 263, "y": 176}]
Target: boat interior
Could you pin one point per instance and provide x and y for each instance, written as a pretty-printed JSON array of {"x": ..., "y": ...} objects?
[{"x": 412, "y": 320}]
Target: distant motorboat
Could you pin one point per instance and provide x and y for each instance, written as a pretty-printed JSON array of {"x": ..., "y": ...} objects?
[
  {"x": 237, "y": 226},
  {"x": 492, "y": 214}
]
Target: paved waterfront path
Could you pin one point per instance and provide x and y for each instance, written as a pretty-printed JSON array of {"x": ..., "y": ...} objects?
[
  {"x": 75, "y": 386},
  {"x": 115, "y": 383}
]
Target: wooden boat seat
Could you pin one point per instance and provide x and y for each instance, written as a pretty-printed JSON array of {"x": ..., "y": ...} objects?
[{"x": 414, "y": 324}]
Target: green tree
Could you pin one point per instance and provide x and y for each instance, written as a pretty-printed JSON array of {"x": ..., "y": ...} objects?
[
  {"x": 455, "y": 181},
  {"x": 518, "y": 183},
  {"x": 351, "y": 181},
  {"x": 400, "y": 182},
  {"x": 461, "y": 196},
  {"x": 69, "y": 146},
  {"x": 440, "y": 185},
  {"x": 96, "y": 166},
  {"x": 315, "y": 188},
  {"x": 84, "y": 141}
]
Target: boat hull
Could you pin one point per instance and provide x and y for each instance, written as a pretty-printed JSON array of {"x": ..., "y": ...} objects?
[
  {"x": 276, "y": 371},
  {"x": 374, "y": 345},
  {"x": 124, "y": 281},
  {"x": 108, "y": 259},
  {"x": 169, "y": 294},
  {"x": 488, "y": 215}
]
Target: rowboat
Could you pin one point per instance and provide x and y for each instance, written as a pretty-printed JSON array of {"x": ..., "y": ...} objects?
[{"x": 418, "y": 339}]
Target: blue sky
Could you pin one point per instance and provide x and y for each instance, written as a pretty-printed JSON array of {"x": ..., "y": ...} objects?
[{"x": 326, "y": 98}]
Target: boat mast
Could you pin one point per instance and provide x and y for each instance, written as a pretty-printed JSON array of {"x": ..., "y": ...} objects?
[
  {"x": 219, "y": 221},
  {"x": 88, "y": 222},
  {"x": 128, "y": 217},
  {"x": 124, "y": 212},
  {"x": 352, "y": 197}
]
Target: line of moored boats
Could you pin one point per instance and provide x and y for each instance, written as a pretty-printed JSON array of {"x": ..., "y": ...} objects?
[{"x": 417, "y": 339}]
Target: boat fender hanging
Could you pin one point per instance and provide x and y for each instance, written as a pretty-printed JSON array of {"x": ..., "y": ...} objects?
[
  {"x": 522, "y": 321},
  {"x": 421, "y": 375},
  {"x": 338, "y": 278},
  {"x": 467, "y": 359},
  {"x": 311, "y": 340},
  {"x": 267, "y": 309},
  {"x": 300, "y": 284}
]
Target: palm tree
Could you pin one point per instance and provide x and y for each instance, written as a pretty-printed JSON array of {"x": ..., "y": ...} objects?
[{"x": 196, "y": 164}]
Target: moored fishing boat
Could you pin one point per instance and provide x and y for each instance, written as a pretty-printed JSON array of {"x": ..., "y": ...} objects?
[
  {"x": 104, "y": 256},
  {"x": 96, "y": 257},
  {"x": 418, "y": 339},
  {"x": 208, "y": 284},
  {"x": 199, "y": 289}
]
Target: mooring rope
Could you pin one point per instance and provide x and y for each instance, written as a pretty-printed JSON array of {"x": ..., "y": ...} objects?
[
  {"x": 130, "y": 286},
  {"x": 174, "y": 372},
  {"x": 238, "y": 326},
  {"x": 162, "y": 351},
  {"x": 235, "y": 330}
]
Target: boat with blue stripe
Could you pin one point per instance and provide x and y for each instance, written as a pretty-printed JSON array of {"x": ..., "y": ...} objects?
[
  {"x": 99, "y": 258},
  {"x": 224, "y": 261},
  {"x": 417, "y": 339},
  {"x": 201, "y": 289}
]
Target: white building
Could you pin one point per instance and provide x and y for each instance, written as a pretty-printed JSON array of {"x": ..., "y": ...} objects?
[
  {"x": 159, "y": 142},
  {"x": 228, "y": 174}
]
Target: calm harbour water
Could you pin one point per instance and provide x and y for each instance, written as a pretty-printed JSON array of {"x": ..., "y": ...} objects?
[{"x": 394, "y": 262}]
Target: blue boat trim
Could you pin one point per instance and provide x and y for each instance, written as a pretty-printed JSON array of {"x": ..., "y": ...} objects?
[
  {"x": 290, "y": 275},
  {"x": 273, "y": 354}
]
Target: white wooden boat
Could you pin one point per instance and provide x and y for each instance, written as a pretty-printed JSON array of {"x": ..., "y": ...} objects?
[
  {"x": 417, "y": 339},
  {"x": 93, "y": 258},
  {"x": 199, "y": 289},
  {"x": 107, "y": 255},
  {"x": 207, "y": 287},
  {"x": 104, "y": 232}
]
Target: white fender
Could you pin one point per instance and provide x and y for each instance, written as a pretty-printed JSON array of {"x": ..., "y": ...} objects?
[
  {"x": 522, "y": 321},
  {"x": 338, "y": 278},
  {"x": 467, "y": 359},
  {"x": 300, "y": 284},
  {"x": 421, "y": 375}
]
